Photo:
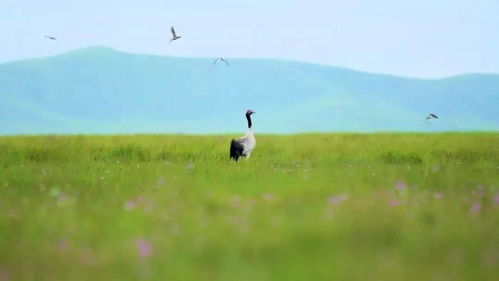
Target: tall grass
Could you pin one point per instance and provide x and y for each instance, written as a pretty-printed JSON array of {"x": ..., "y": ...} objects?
[{"x": 305, "y": 207}]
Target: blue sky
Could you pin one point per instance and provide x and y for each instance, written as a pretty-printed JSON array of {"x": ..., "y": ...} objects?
[{"x": 424, "y": 38}]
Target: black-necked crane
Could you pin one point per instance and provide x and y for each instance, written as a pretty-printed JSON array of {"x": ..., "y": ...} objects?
[
  {"x": 221, "y": 59},
  {"x": 50, "y": 37},
  {"x": 243, "y": 146},
  {"x": 174, "y": 35}
]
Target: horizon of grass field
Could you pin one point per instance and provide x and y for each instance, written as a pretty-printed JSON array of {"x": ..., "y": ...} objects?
[
  {"x": 304, "y": 207},
  {"x": 232, "y": 134}
]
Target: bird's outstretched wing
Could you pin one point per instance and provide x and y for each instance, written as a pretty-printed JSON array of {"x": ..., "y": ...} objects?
[
  {"x": 50, "y": 37},
  {"x": 226, "y": 62},
  {"x": 431, "y": 116},
  {"x": 173, "y": 31},
  {"x": 215, "y": 61}
]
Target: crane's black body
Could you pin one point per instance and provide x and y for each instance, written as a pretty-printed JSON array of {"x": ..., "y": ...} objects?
[
  {"x": 237, "y": 146},
  {"x": 236, "y": 150}
]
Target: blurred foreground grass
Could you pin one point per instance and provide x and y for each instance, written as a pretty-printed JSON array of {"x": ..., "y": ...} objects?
[{"x": 306, "y": 207}]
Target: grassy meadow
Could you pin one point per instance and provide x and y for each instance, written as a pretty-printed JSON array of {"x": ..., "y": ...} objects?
[{"x": 303, "y": 207}]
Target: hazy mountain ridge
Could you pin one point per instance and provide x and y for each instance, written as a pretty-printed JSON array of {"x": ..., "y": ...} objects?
[{"x": 99, "y": 90}]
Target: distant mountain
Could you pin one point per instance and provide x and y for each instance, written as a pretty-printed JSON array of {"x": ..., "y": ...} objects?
[{"x": 100, "y": 90}]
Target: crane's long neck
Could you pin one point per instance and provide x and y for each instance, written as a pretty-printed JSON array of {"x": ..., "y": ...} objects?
[{"x": 248, "y": 117}]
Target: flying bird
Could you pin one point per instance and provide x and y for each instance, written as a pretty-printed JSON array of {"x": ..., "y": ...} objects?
[
  {"x": 174, "y": 35},
  {"x": 50, "y": 37},
  {"x": 221, "y": 59},
  {"x": 431, "y": 116},
  {"x": 243, "y": 146}
]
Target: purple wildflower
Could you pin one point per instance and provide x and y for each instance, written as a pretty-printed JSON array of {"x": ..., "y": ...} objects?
[
  {"x": 394, "y": 202},
  {"x": 4, "y": 275},
  {"x": 337, "y": 199},
  {"x": 62, "y": 245},
  {"x": 161, "y": 181},
  {"x": 64, "y": 200},
  {"x": 496, "y": 199},
  {"x": 490, "y": 258},
  {"x": 268, "y": 197},
  {"x": 475, "y": 208},
  {"x": 401, "y": 185},
  {"x": 250, "y": 203},
  {"x": 139, "y": 202},
  {"x": 130, "y": 205},
  {"x": 438, "y": 195},
  {"x": 144, "y": 248}
]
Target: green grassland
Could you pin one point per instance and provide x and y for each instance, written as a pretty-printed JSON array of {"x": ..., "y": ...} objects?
[{"x": 304, "y": 207}]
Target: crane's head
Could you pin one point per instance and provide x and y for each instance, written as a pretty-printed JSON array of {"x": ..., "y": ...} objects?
[{"x": 249, "y": 112}]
